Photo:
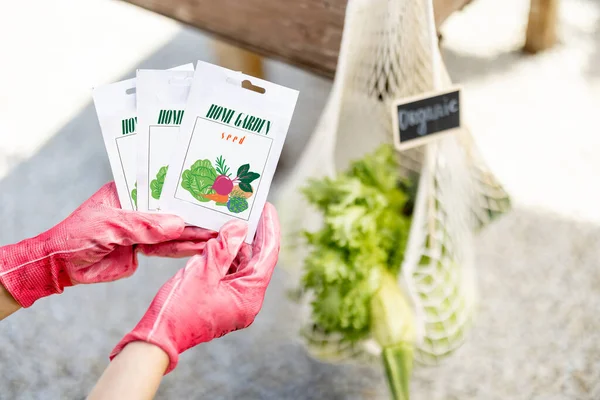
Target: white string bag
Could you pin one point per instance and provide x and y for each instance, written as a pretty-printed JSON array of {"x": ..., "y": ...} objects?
[{"x": 389, "y": 51}]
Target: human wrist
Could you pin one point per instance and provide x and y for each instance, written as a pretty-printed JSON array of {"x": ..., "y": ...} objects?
[
  {"x": 8, "y": 304},
  {"x": 150, "y": 350},
  {"x": 135, "y": 373},
  {"x": 156, "y": 338}
]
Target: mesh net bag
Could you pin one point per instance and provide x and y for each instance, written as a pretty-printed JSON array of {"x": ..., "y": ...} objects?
[{"x": 389, "y": 51}]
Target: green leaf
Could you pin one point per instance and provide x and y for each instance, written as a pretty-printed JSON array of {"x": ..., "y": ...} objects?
[
  {"x": 354, "y": 260},
  {"x": 220, "y": 204},
  {"x": 157, "y": 184},
  {"x": 222, "y": 169},
  {"x": 249, "y": 177},
  {"x": 243, "y": 170},
  {"x": 204, "y": 168},
  {"x": 198, "y": 180},
  {"x": 155, "y": 189},
  {"x": 134, "y": 195},
  {"x": 162, "y": 173},
  {"x": 246, "y": 187}
]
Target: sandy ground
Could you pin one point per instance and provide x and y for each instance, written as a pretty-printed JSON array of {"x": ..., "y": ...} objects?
[{"x": 535, "y": 119}]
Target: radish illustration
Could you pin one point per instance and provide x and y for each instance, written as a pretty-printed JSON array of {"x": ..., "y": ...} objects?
[{"x": 223, "y": 184}]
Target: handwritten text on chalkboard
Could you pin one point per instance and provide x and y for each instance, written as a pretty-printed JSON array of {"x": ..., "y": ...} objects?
[{"x": 423, "y": 118}]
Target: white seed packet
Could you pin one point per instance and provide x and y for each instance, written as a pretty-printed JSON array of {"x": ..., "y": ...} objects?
[
  {"x": 161, "y": 100},
  {"x": 228, "y": 147},
  {"x": 116, "y": 108}
]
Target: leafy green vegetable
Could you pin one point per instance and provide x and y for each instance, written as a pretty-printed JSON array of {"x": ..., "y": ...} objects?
[
  {"x": 237, "y": 204},
  {"x": 243, "y": 170},
  {"x": 245, "y": 177},
  {"x": 134, "y": 195},
  {"x": 157, "y": 184},
  {"x": 246, "y": 187},
  {"x": 198, "y": 180},
  {"x": 249, "y": 177},
  {"x": 356, "y": 257}
]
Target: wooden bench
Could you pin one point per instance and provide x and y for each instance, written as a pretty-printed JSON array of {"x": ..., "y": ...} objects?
[{"x": 305, "y": 33}]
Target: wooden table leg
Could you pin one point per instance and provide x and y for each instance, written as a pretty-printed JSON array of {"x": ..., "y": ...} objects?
[
  {"x": 541, "y": 29},
  {"x": 238, "y": 59}
]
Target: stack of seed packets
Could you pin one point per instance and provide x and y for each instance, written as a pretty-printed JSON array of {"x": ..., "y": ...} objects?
[{"x": 202, "y": 144}]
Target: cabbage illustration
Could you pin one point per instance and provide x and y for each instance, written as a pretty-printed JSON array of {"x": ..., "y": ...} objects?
[
  {"x": 199, "y": 179},
  {"x": 157, "y": 184},
  {"x": 134, "y": 195}
]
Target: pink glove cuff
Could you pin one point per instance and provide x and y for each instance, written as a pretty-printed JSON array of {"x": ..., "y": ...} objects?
[
  {"x": 29, "y": 277},
  {"x": 151, "y": 328}
]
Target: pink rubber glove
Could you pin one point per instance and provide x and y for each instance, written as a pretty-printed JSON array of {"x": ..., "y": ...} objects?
[
  {"x": 217, "y": 292},
  {"x": 98, "y": 242}
]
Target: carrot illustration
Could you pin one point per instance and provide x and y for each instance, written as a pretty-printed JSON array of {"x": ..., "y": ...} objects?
[{"x": 217, "y": 198}]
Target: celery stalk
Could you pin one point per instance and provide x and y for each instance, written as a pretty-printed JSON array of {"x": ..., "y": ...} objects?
[
  {"x": 393, "y": 327},
  {"x": 398, "y": 363}
]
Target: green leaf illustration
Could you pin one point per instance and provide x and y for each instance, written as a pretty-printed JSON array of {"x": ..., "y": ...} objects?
[
  {"x": 220, "y": 204},
  {"x": 243, "y": 170},
  {"x": 157, "y": 184},
  {"x": 134, "y": 195},
  {"x": 222, "y": 169},
  {"x": 246, "y": 187},
  {"x": 249, "y": 177},
  {"x": 198, "y": 180}
]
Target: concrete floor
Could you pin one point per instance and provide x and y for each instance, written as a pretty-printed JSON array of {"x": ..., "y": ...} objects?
[{"x": 535, "y": 121}]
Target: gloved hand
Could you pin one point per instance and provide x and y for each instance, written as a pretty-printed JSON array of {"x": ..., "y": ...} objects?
[
  {"x": 217, "y": 292},
  {"x": 98, "y": 242}
]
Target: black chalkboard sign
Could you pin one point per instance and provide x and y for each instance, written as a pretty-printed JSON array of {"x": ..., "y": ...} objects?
[{"x": 422, "y": 118}]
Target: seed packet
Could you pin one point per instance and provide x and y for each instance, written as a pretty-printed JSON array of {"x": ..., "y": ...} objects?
[
  {"x": 228, "y": 147},
  {"x": 161, "y": 100},
  {"x": 116, "y": 108}
]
